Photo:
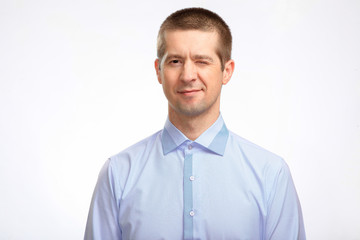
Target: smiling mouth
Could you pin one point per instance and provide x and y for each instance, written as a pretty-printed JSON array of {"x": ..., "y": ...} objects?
[{"x": 189, "y": 92}]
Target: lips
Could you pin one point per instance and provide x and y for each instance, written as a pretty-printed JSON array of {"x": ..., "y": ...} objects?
[{"x": 189, "y": 92}]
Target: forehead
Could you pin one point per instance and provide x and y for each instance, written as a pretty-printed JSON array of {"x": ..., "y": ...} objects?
[{"x": 195, "y": 41}]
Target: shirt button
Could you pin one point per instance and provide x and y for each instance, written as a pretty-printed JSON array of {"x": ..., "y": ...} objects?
[
  {"x": 192, "y": 178},
  {"x": 192, "y": 213},
  {"x": 190, "y": 147}
]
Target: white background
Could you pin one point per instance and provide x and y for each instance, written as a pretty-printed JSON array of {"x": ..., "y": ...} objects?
[{"x": 77, "y": 85}]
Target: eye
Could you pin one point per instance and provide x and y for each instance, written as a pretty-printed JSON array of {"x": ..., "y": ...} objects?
[
  {"x": 202, "y": 62},
  {"x": 175, "y": 62}
]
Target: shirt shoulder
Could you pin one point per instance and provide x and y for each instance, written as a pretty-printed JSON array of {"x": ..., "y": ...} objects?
[
  {"x": 264, "y": 167},
  {"x": 255, "y": 154},
  {"x": 129, "y": 162},
  {"x": 137, "y": 148}
]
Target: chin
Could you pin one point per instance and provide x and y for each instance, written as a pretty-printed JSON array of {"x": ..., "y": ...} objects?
[{"x": 192, "y": 111}]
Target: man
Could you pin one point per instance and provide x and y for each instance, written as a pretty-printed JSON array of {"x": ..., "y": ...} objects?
[{"x": 194, "y": 179}]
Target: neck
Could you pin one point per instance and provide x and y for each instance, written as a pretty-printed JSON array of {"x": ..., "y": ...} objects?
[{"x": 192, "y": 126}]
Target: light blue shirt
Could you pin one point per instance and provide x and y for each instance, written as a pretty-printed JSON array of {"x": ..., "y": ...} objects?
[{"x": 219, "y": 186}]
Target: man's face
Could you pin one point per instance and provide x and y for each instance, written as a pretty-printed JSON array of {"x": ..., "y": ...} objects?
[{"x": 190, "y": 72}]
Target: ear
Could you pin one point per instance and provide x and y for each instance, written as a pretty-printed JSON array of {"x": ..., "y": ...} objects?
[
  {"x": 158, "y": 71},
  {"x": 228, "y": 71}
]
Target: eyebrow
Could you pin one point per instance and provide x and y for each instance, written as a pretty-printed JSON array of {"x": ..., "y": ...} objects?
[
  {"x": 197, "y": 57},
  {"x": 203, "y": 57},
  {"x": 171, "y": 56}
]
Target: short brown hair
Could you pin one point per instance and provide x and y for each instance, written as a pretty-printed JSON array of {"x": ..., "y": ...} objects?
[{"x": 197, "y": 19}]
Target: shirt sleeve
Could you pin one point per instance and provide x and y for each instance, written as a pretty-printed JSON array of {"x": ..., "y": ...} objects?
[
  {"x": 102, "y": 222},
  {"x": 284, "y": 219}
]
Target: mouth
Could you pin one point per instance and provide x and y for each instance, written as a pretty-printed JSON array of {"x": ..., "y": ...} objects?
[{"x": 189, "y": 92}]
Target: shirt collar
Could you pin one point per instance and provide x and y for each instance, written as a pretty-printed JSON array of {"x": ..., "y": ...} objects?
[{"x": 214, "y": 138}]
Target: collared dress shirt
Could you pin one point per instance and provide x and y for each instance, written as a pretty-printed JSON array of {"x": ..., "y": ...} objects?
[{"x": 219, "y": 186}]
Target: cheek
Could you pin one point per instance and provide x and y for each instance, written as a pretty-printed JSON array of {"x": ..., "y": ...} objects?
[
  {"x": 212, "y": 81},
  {"x": 167, "y": 86},
  {"x": 169, "y": 79}
]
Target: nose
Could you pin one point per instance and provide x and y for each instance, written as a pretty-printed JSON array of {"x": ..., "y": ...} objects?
[{"x": 189, "y": 72}]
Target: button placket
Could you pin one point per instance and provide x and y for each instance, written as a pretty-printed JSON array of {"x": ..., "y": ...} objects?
[{"x": 188, "y": 194}]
